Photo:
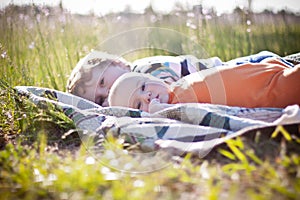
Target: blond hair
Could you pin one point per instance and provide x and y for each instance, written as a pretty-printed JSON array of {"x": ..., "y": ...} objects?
[{"x": 82, "y": 73}]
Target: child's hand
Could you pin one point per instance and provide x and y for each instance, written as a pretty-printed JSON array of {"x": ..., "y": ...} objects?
[{"x": 155, "y": 106}]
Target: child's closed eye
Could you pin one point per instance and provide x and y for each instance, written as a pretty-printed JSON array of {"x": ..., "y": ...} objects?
[
  {"x": 100, "y": 101},
  {"x": 101, "y": 83},
  {"x": 143, "y": 87}
]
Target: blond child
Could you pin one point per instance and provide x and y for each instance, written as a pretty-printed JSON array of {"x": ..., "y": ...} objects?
[
  {"x": 94, "y": 75},
  {"x": 270, "y": 83}
]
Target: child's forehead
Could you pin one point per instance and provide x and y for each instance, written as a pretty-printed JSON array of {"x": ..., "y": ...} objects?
[{"x": 128, "y": 80}]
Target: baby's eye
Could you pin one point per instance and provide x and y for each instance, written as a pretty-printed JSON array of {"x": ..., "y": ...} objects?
[
  {"x": 139, "y": 105},
  {"x": 143, "y": 87},
  {"x": 101, "y": 82}
]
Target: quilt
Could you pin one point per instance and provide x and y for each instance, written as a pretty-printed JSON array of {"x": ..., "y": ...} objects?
[{"x": 193, "y": 128}]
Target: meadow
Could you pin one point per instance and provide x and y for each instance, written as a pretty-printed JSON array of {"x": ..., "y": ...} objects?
[{"x": 41, "y": 156}]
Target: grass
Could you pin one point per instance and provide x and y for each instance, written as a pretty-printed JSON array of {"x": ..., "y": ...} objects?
[{"x": 42, "y": 157}]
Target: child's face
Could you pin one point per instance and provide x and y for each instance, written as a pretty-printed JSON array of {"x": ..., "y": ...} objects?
[
  {"x": 138, "y": 91},
  {"x": 97, "y": 89}
]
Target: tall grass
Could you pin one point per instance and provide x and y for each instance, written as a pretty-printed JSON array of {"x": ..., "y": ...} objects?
[{"x": 40, "y": 48}]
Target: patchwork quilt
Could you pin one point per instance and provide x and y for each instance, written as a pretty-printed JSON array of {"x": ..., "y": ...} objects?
[{"x": 191, "y": 127}]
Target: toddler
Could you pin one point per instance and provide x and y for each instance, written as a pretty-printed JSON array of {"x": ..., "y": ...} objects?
[
  {"x": 270, "y": 83},
  {"x": 94, "y": 75}
]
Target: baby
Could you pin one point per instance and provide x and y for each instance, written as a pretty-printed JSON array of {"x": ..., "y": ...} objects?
[{"x": 270, "y": 83}]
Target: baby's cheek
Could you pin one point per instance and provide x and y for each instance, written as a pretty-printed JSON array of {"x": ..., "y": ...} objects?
[
  {"x": 146, "y": 107},
  {"x": 165, "y": 98}
]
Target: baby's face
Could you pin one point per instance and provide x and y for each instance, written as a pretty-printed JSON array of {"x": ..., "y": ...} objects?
[
  {"x": 97, "y": 89},
  {"x": 138, "y": 91}
]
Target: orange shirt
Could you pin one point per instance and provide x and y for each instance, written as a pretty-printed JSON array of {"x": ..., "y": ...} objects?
[{"x": 267, "y": 84}]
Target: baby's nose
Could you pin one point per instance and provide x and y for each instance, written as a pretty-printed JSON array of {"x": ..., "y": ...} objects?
[{"x": 147, "y": 97}]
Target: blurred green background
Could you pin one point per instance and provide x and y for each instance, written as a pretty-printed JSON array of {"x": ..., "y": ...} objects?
[{"x": 41, "y": 45}]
